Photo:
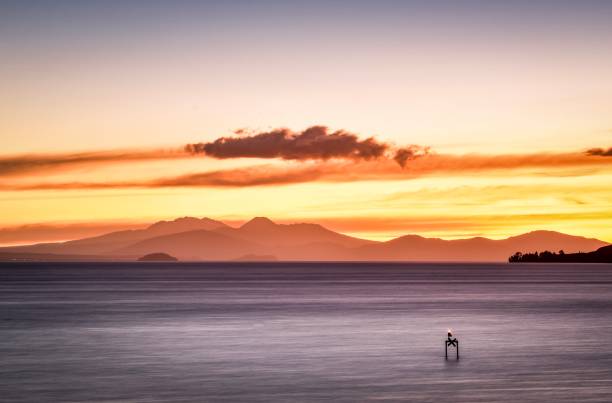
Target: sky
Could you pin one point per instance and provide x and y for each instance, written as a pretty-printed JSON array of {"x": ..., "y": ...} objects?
[{"x": 119, "y": 113}]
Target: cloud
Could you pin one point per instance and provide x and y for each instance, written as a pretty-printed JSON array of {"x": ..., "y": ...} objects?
[
  {"x": 601, "y": 152},
  {"x": 316, "y": 154},
  {"x": 349, "y": 171},
  {"x": 34, "y": 163},
  {"x": 314, "y": 143},
  {"x": 412, "y": 152},
  {"x": 253, "y": 176},
  {"x": 317, "y": 143}
]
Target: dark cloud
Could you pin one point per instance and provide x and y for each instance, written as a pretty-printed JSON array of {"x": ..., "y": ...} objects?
[
  {"x": 314, "y": 143},
  {"x": 412, "y": 152},
  {"x": 601, "y": 152}
]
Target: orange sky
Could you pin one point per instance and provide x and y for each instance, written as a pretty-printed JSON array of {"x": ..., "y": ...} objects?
[{"x": 500, "y": 105}]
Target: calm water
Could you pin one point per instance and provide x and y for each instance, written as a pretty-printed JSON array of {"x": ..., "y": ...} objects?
[{"x": 304, "y": 332}]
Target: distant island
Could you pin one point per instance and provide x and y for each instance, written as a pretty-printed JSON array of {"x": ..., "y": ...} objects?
[
  {"x": 157, "y": 257},
  {"x": 601, "y": 255}
]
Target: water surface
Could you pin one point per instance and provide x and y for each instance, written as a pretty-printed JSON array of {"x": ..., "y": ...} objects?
[{"x": 183, "y": 332}]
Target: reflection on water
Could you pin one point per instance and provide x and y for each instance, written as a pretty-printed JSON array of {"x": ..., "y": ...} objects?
[{"x": 305, "y": 332}]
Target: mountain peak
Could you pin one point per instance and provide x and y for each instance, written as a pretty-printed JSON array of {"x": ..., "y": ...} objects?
[
  {"x": 186, "y": 224},
  {"x": 547, "y": 234},
  {"x": 259, "y": 222},
  {"x": 175, "y": 221},
  {"x": 544, "y": 232}
]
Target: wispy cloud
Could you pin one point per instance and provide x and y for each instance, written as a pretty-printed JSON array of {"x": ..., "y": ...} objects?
[
  {"x": 261, "y": 175},
  {"x": 345, "y": 171},
  {"x": 314, "y": 154},
  {"x": 35, "y": 163}
]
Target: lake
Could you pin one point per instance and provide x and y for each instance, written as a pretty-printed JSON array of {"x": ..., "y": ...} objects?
[{"x": 264, "y": 332}]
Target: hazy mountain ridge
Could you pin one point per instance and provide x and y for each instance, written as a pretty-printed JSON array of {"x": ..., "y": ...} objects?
[
  {"x": 113, "y": 241},
  {"x": 190, "y": 238},
  {"x": 265, "y": 231},
  {"x": 477, "y": 248}
]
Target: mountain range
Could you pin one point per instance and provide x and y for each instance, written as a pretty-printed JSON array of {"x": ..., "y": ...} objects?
[{"x": 205, "y": 239}]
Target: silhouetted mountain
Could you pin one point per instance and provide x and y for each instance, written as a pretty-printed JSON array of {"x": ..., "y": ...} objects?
[
  {"x": 601, "y": 255},
  {"x": 204, "y": 239},
  {"x": 416, "y": 247},
  {"x": 413, "y": 247},
  {"x": 185, "y": 224},
  {"x": 266, "y": 232},
  {"x": 259, "y": 236},
  {"x": 258, "y": 224},
  {"x": 551, "y": 240},
  {"x": 109, "y": 243}
]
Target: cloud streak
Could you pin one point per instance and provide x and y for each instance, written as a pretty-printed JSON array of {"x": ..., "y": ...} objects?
[
  {"x": 346, "y": 171},
  {"x": 314, "y": 154},
  {"x": 253, "y": 176},
  {"x": 34, "y": 163}
]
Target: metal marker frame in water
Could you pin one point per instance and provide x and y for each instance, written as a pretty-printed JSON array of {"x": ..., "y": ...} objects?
[{"x": 448, "y": 343}]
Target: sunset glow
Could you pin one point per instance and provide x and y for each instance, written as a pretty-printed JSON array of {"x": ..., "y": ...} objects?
[{"x": 375, "y": 119}]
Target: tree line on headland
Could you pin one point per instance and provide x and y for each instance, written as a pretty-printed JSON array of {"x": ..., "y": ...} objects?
[{"x": 601, "y": 255}]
